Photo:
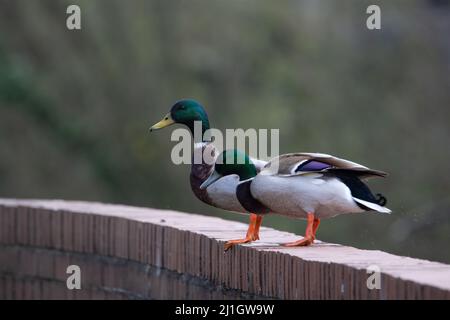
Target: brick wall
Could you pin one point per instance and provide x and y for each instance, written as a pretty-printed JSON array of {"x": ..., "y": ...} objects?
[{"x": 137, "y": 253}]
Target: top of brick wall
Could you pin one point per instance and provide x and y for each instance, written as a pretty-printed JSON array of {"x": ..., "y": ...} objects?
[{"x": 191, "y": 243}]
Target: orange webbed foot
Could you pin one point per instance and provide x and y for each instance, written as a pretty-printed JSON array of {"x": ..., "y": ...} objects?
[
  {"x": 252, "y": 233},
  {"x": 229, "y": 244},
  {"x": 306, "y": 241},
  {"x": 310, "y": 235}
]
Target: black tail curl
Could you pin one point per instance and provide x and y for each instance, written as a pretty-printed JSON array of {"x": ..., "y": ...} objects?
[{"x": 381, "y": 200}]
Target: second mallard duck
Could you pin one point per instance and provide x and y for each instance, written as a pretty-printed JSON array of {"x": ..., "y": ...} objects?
[{"x": 312, "y": 186}]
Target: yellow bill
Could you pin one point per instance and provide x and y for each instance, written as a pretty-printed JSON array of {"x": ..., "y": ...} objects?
[{"x": 165, "y": 122}]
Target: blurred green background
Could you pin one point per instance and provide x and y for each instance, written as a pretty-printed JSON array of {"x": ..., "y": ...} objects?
[{"x": 75, "y": 106}]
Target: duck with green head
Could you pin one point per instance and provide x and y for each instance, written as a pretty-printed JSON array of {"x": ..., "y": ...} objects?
[
  {"x": 221, "y": 193},
  {"x": 312, "y": 186}
]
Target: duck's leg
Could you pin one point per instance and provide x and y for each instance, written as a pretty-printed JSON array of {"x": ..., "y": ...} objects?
[
  {"x": 308, "y": 239},
  {"x": 252, "y": 232},
  {"x": 316, "y": 224}
]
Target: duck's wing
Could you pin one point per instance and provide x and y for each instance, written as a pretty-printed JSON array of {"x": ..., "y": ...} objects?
[{"x": 305, "y": 163}]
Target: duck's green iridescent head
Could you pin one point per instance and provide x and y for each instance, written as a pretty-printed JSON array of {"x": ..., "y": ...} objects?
[
  {"x": 231, "y": 162},
  {"x": 186, "y": 112}
]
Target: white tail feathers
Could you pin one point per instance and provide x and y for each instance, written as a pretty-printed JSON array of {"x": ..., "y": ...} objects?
[{"x": 372, "y": 206}]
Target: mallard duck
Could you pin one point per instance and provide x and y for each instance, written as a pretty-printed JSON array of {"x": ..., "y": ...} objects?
[
  {"x": 221, "y": 193},
  {"x": 312, "y": 186}
]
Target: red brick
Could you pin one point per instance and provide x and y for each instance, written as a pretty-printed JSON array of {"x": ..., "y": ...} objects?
[
  {"x": 67, "y": 232},
  {"x": 56, "y": 230}
]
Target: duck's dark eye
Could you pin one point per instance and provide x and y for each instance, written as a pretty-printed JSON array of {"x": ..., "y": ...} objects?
[{"x": 182, "y": 107}]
